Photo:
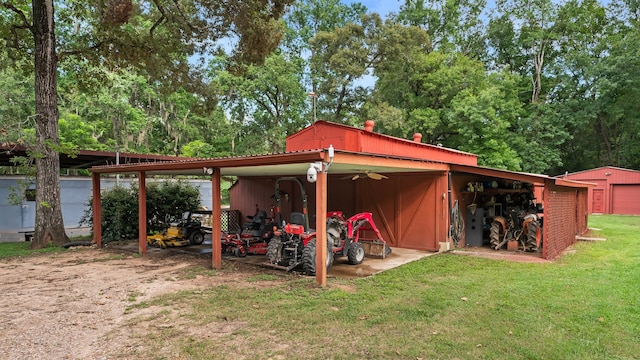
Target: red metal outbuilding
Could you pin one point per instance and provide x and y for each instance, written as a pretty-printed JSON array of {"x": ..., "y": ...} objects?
[
  {"x": 415, "y": 192},
  {"x": 411, "y": 207},
  {"x": 617, "y": 190}
]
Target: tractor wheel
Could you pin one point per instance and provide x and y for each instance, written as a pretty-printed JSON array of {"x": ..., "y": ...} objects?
[
  {"x": 355, "y": 253},
  {"x": 533, "y": 236},
  {"x": 309, "y": 258},
  {"x": 274, "y": 250},
  {"x": 196, "y": 238},
  {"x": 494, "y": 235},
  {"x": 239, "y": 252}
]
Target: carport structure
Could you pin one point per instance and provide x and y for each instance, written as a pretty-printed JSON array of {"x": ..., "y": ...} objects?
[{"x": 411, "y": 206}]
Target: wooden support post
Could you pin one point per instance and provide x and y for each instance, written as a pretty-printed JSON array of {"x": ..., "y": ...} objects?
[
  {"x": 142, "y": 213},
  {"x": 97, "y": 210},
  {"x": 216, "y": 229},
  {"x": 321, "y": 229}
]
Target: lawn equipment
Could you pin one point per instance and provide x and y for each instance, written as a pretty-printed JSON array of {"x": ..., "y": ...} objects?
[
  {"x": 295, "y": 244},
  {"x": 187, "y": 231},
  {"x": 254, "y": 237},
  {"x": 346, "y": 237},
  {"x": 518, "y": 226}
]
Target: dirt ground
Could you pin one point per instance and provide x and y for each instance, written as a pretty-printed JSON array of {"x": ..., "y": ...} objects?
[
  {"x": 73, "y": 305},
  {"x": 77, "y": 304}
]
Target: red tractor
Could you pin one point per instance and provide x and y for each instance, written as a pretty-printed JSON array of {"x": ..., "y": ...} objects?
[
  {"x": 295, "y": 243},
  {"x": 519, "y": 226}
]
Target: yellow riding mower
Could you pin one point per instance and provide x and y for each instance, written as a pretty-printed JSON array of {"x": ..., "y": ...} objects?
[{"x": 187, "y": 231}]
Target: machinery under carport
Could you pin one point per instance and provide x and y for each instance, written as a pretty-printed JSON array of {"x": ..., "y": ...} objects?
[{"x": 409, "y": 201}]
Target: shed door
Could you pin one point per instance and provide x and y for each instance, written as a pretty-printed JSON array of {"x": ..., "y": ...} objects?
[
  {"x": 598, "y": 201},
  {"x": 403, "y": 208},
  {"x": 416, "y": 213},
  {"x": 626, "y": 199}
]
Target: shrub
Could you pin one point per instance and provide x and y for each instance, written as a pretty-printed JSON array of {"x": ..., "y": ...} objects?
[{"x": 166, "y": 201}]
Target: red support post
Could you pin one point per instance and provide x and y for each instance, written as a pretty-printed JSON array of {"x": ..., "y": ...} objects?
[
  {"x": 142, "y": 213},
  {"x": 97, "y": 210},
  {"x": 321, "y": 228},
  {"x": 216, "y": 229}
]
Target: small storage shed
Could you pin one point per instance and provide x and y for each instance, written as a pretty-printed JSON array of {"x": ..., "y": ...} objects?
[{"x": 617, "y": 190}]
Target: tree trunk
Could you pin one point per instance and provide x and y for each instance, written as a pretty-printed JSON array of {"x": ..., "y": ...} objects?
[{"x": 49, "y": 225}]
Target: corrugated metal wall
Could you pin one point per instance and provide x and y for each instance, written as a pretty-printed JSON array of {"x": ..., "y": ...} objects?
[
  {"x": 408, "y": 209},
  {"x": 602, "y": 198},
  {"x": 565, "y": 217}
]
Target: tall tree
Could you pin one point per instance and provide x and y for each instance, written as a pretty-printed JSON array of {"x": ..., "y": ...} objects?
[
  {"x": 266, "y": 101},
  {"x": 155, "y": 35},
  {"x": 525, "y": 27},
  {"x": 341, "y": 58},
  {"x": 452, "y": 25},
  {"x": 307, "y": 19}
]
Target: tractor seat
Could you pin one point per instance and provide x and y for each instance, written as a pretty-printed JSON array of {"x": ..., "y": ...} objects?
[
  {"x": 297, "y": 218},
  {"x": 259, "y": 217}
]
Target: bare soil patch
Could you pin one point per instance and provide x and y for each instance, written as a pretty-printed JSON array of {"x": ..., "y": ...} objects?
[{"x": 74, "y": 304}]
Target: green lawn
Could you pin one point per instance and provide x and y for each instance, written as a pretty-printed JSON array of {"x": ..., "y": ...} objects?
[
  {"x": 583, "y": 306},
  {"x": 12, "y": 249}
]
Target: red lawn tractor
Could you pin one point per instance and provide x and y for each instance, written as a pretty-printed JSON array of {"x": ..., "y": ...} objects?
[{"x": 254, "y": 237}]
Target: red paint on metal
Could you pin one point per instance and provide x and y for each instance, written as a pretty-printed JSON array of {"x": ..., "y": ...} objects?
[
  {"x": 142, "y": 213},
  {"x": 322, "y": 134},
  {"x": 216, "y": 228},
  {"x": 97, "y": 210},
  {"x": 405, "y": 208},
  {"x": 368, "y": 125},
  {"x": 625, "y": 199},
  {"x": 618, "y": 189}
]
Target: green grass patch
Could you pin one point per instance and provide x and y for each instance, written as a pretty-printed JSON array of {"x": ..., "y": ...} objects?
[
  {"x": 582, "y": 306},
  {"x": 13, "y": 249},
  {"x": 263, "y": 277},
  {"x": 192, "y": 273}
]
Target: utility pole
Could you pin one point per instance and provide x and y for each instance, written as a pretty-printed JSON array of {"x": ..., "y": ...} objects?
[{"x": 314, "y": 96}]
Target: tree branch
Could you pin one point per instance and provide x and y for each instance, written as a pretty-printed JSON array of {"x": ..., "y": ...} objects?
[
  {"x": 21, "y": 15},
  {"x": 156, "y": 24}
]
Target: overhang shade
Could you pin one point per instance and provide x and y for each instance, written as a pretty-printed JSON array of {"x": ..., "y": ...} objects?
[
  {"x": 285, "y": 164},
  {"x": 85, "y": 159},
  {"x": 517, "y": 176}
]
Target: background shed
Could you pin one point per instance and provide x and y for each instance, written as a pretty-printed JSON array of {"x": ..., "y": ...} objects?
[{"x": 617, "y": 190}]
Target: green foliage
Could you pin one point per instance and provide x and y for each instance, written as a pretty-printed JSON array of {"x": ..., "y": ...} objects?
[
  {"x": 537, "y": 84},
  {"x": 169, "y": 198},
  {"x": 267, "y": 102},
  {"x": 166, "y": 201}
]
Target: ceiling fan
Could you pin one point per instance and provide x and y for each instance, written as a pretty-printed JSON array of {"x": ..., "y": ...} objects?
[{"x": 364, "y": 175}]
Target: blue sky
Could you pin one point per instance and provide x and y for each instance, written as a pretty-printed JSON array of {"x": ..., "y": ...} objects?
[{"x": 382, "y": 7}]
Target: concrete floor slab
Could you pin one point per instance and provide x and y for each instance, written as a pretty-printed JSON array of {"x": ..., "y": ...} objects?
[{"x": 342, "y": 269}]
